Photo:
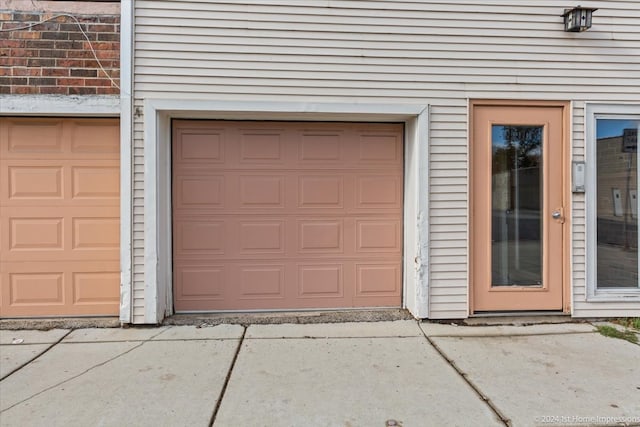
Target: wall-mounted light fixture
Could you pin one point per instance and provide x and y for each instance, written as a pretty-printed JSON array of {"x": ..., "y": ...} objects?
[{"x": 578, "y": 18}]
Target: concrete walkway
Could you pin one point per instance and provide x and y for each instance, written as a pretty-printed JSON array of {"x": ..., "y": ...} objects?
[{"x": 402, "y": 373}]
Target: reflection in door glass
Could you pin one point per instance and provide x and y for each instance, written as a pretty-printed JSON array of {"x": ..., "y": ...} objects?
[
  {"x": 516, "y": 203},
  {"x": 617, "y": 203}
]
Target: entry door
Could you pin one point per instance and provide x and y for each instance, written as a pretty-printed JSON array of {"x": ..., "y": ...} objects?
[{"x": 518, "y": 214}]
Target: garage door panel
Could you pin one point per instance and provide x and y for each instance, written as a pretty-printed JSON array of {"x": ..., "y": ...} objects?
[
  {"x": 95, "y": 182},
  {"x": 200, "y": 236},
  {"x": 321, "y": 281},
  {"x": 260, "y": 237},
  {"x": 52, "y": 234},
  {"x": 321, "y": 191},
  {"x": 94, "y": 137},
  {"x": 260, "y": 281},
  {"x": 311, "y": 213},
  {"x": 63, "y": 183},
  {"x": 378, "y": 235},
  {"x": 379, "y": 191},
  {"x": 199, "y": 192},
  {"x": 318, "y": 147},
  {"x": 199, "y": 146},
  {"x": 200, "y": 282},
  {"x": 35, "y": 137},
  {"x": 59, "y": 216},
  {"x": 321, "y": 236},
  {"x": 259, "y": 191},
  {"x": 378, "y": 279},
  {"x": 60, "y": 288},
  {"x": 261, "y": 146},
  {"x": 380, "y": 148}
]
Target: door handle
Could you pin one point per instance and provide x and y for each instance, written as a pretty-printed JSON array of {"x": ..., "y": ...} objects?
[{"x": 558, "y": 215}]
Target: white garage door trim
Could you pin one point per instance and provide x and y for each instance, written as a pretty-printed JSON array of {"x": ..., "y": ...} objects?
[{"x": 157, "y": 178}]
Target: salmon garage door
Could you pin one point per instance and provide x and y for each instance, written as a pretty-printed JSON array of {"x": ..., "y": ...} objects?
[
  {"x": 286, "y": 215},
  {"x": 59, "y": 217}
]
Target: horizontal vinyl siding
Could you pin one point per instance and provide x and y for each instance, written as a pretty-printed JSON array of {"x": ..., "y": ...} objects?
[{"x": 420, "y": 51}]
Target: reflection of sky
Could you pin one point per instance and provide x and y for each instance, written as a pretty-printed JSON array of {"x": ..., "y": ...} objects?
[
  {"x": 497, "y": 136},
  {"x": 606, "y": 128},
  {"x": 498, "y": 141}
]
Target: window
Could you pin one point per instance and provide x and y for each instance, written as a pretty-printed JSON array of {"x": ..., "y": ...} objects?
[{"x": 612, "y": 201}]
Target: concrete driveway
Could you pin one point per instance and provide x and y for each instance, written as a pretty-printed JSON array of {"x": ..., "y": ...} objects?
[{"x": 403, "y": 373}]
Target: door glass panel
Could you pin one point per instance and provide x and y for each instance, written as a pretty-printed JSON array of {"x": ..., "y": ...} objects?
[
  {"x": 516, "y": 203},
  {"x": 617, "y": 203}
]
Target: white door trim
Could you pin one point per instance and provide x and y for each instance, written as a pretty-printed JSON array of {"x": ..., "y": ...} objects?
[{"x": 157, "y": 175}]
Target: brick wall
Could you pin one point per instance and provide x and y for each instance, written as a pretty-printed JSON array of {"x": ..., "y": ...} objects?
[{"x": 54, "y": 57}]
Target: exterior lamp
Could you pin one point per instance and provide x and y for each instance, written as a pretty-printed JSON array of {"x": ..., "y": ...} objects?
[{"x": 577, "y": 19}]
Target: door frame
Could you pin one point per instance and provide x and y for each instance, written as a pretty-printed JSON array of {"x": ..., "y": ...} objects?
[
  {"x": 566, "y": 190},
  {"x": 158, "y": 113}
]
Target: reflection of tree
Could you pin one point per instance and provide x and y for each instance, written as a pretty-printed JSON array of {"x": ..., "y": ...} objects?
[{"x": 522, "y": 149}]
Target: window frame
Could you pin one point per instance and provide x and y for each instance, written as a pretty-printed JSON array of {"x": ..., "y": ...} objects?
[{"x": 592, "y": 113}]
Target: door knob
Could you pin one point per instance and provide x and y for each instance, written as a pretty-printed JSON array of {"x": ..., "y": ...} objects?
[{"x": 558, "y": 215}]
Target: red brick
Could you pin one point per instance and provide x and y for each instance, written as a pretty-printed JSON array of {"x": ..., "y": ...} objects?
[
  {"x": 41, "y": 62},
  {"x": 109, "y": 37},
  {"x": 53, "y": 53},
  {"x": 64, "y": 44},
  {"x": 40, "y": 44},
  {"x": 82, "y": 91},
  {"x": 80, "y": 36},
  {"x": 21, "y": 90},
  {"x": 106, "y": 63},
  {"x": 70, "y": 63},
  {"x": 27, "y": 35},
  {"x": 108, "y": 91},
  {"x": 107, "y": 54},
  {"x": 59, "y": 72},
  {"x": 113, "y": 19},
  {"x": 101, "y": 28},
  {"x": 23, "y": 71},
  {"x": 5, "y": 89},
  {"x": 13, "y": 61},
  {"x": 102, "y": 45},
  {"x": 24, "y": 53},
  {"x": 5, "y": 71},
  {"x": 75, "y": 72},
  {"x": 53, "y": 90},
  {"x": 55, "y": 35},
  {"x": 114, "y": 74},
  {"x": 70, "y": 82},
  {"x": 79, "y": 54},
  {"x": 13, "y": 43},
  {"x": 69, "y": 27},
  {"x": 97, "y": 82},
  {"x": 23, "y": 17},
  {"x": 42, "y": 81}
]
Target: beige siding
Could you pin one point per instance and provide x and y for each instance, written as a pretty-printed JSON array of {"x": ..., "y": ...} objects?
[{"x": 421, "y": 51}]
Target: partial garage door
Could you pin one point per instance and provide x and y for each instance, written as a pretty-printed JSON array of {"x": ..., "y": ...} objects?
[
  {"x": 286, "y": 215},
  {"x": 59, "y": 212}
]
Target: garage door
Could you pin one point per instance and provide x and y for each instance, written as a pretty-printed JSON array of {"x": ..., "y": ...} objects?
[
  {"x": 59, "y": 213},
  {"x": 286, "y": 215}
]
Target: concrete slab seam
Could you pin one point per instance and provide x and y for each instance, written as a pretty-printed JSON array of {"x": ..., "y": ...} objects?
[
  {"x": 81, "y": 373},
  {"x": 36, "y": 356},
  {"x": 505, "y": 420},
  {"x": 227, "y": 379}
]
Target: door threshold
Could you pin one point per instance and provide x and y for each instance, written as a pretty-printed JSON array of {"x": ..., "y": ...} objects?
[
  {"x": 518, "y": 318},
  {"x": 519, "y": 313}
]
